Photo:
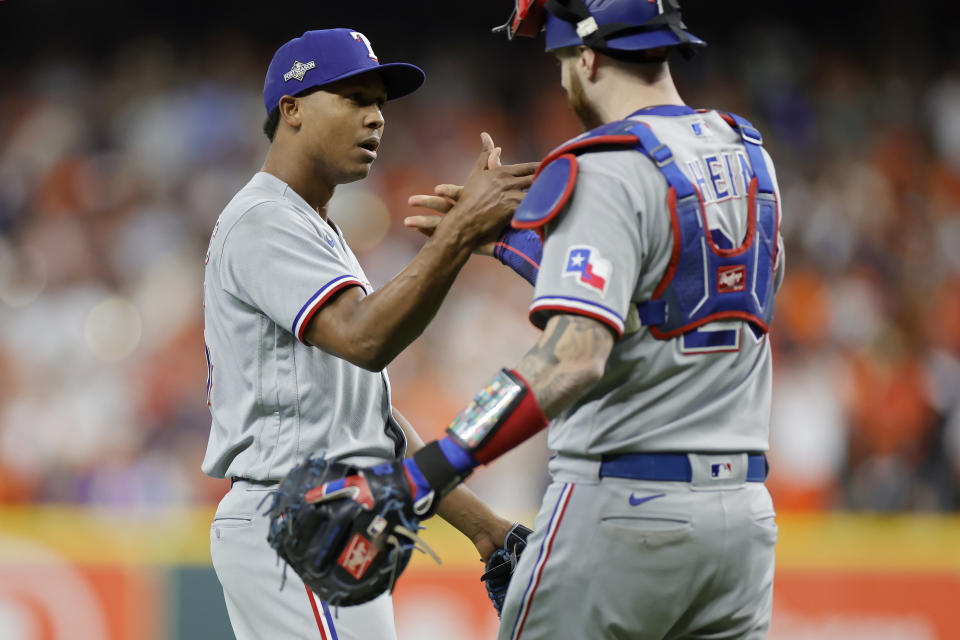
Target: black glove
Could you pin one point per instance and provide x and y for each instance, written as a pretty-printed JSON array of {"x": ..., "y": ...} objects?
[
  {"x": 348, "y": 532},
  {"x": 501, "y": 564}
]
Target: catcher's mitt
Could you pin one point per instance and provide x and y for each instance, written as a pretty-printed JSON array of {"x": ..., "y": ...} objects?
[
  {"x": 502, "y": 563},
  {"x": 348, "y": 532}
]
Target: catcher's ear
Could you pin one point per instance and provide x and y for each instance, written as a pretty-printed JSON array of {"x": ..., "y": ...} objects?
[
  {"x": 587, "y": 62},
  {"x": 290, "y": 111}
]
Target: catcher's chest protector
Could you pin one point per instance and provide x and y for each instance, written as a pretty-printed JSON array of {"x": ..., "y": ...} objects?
[{"x": 703, "y": 282}]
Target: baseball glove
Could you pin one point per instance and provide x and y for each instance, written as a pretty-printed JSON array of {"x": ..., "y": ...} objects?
[
  {"x": 348, "y": 532},
  {"x": 502, "y": 563}
]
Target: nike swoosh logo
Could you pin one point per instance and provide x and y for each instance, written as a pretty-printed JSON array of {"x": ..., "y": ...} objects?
[{"x": 635, "y": 501}]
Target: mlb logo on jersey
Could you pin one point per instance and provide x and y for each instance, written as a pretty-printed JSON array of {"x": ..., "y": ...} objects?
[
  {"x": 700, "y": 128},
  {"x": 731, "y": 278},
  {"x": 589, "y": 269},
  {"x": 721, "y": 470}
]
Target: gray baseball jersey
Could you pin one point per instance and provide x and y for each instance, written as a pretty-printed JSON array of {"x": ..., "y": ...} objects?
[
  {"x": 655, "y": 395},
  {"x": 271, "y": 265},
  {"x": 672, "y": 559}
]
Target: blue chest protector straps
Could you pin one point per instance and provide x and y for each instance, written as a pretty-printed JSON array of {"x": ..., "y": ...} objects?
[{"x": 704, "y": 282}]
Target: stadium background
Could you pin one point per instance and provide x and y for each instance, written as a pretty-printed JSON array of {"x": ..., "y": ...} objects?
[{"x": 124, "y": 130}]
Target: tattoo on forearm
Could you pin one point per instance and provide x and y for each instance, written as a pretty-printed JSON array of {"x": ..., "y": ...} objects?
[
  {"x": 545, "y": 351},
  {"x": 565, "y": 361}
]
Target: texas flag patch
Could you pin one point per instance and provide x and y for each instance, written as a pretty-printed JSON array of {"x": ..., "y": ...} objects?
[{"x": 590, "y": 270}]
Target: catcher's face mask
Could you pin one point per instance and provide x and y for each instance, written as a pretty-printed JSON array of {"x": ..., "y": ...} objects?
[{"x": 526, "y": 20}]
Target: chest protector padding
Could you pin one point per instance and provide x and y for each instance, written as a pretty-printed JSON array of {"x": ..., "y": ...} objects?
[{"x": 703, "y": 282}]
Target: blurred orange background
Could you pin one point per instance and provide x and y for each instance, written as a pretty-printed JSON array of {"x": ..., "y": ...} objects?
[{"x": 125, "y": 130}]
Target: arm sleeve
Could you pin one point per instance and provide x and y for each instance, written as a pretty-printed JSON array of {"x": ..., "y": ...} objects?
[
  {"x": 284, "y": 265},
  {"x": 592, "y": 257}
]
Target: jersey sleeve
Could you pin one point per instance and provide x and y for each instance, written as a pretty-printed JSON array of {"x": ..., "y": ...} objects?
[
  {"x": 592, "y": 257},
  {"x": 277, "y": 261}
]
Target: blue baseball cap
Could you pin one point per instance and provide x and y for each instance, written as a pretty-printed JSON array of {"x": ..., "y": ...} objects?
[{"x": 323, "y": 56}]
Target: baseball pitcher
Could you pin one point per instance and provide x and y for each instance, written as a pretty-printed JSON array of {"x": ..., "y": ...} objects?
[{"x": 297, "y": 338}]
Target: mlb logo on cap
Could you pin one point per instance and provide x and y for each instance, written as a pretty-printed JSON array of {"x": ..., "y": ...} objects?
[
  {"x": 721, "y": 470},
  {"x": 324, "y": 56}
]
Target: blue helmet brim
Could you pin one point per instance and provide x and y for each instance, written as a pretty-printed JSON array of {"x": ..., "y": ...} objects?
[{"x": 560, "y": 34}]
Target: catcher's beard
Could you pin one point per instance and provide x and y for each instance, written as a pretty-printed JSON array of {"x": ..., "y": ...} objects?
[{"x": 578, "y": 101}]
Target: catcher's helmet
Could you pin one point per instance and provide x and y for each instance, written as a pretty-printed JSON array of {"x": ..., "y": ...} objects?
[{"x": 616, "y": 27}]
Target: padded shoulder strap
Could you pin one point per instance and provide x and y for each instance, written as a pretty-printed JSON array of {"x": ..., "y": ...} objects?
[
  {"x": 661, "y": 156},
  {"x": 550, "y": 190},
  {"x": 557, "y": 176},
  {"x": 753, "y": 142},
  {"x": 613, "y": 133}
]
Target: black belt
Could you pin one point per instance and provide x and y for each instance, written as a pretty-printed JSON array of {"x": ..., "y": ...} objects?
[
  {"x": 674, "y": 467},
  {"x": 264, "y": 483}
]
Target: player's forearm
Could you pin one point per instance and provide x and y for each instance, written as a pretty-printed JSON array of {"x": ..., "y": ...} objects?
[
  {"x": 387, "y": 321},
  {"x": 474, "y": 519},
  {"x": 462, "y": 508},
  {"x": 414, "y": 441},
  {"x": 569, "y": 358}
]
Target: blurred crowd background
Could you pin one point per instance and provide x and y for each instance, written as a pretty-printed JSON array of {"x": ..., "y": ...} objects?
[{"x": 123, "y": 135}]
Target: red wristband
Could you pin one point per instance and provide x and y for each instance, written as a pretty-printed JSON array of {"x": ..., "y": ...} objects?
[{"x": 526, "y": 420}]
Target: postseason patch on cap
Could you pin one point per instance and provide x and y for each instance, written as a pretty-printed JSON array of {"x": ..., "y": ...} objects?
[
  {"x": 322, "y": 56},
  {"x": 299, "y": 70}
]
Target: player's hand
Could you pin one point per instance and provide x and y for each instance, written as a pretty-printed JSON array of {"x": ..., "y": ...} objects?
[
  {"x": 520, "y": 250},
  {"x": 483, "y": 206},
  {"x": 445, "y": 196},
  {"x": 491, "y": 536},
  {"x": 502, "y": 563}
]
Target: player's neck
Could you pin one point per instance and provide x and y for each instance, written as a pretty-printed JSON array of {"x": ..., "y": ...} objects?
[
  {"x": 300, "y": 178},
  {"x": 621, "y": 96}
]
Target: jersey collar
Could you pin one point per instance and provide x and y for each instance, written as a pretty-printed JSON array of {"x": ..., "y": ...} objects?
[
  {"x": 281, "y": 188},
  {"x": 664, "y": 110}
]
